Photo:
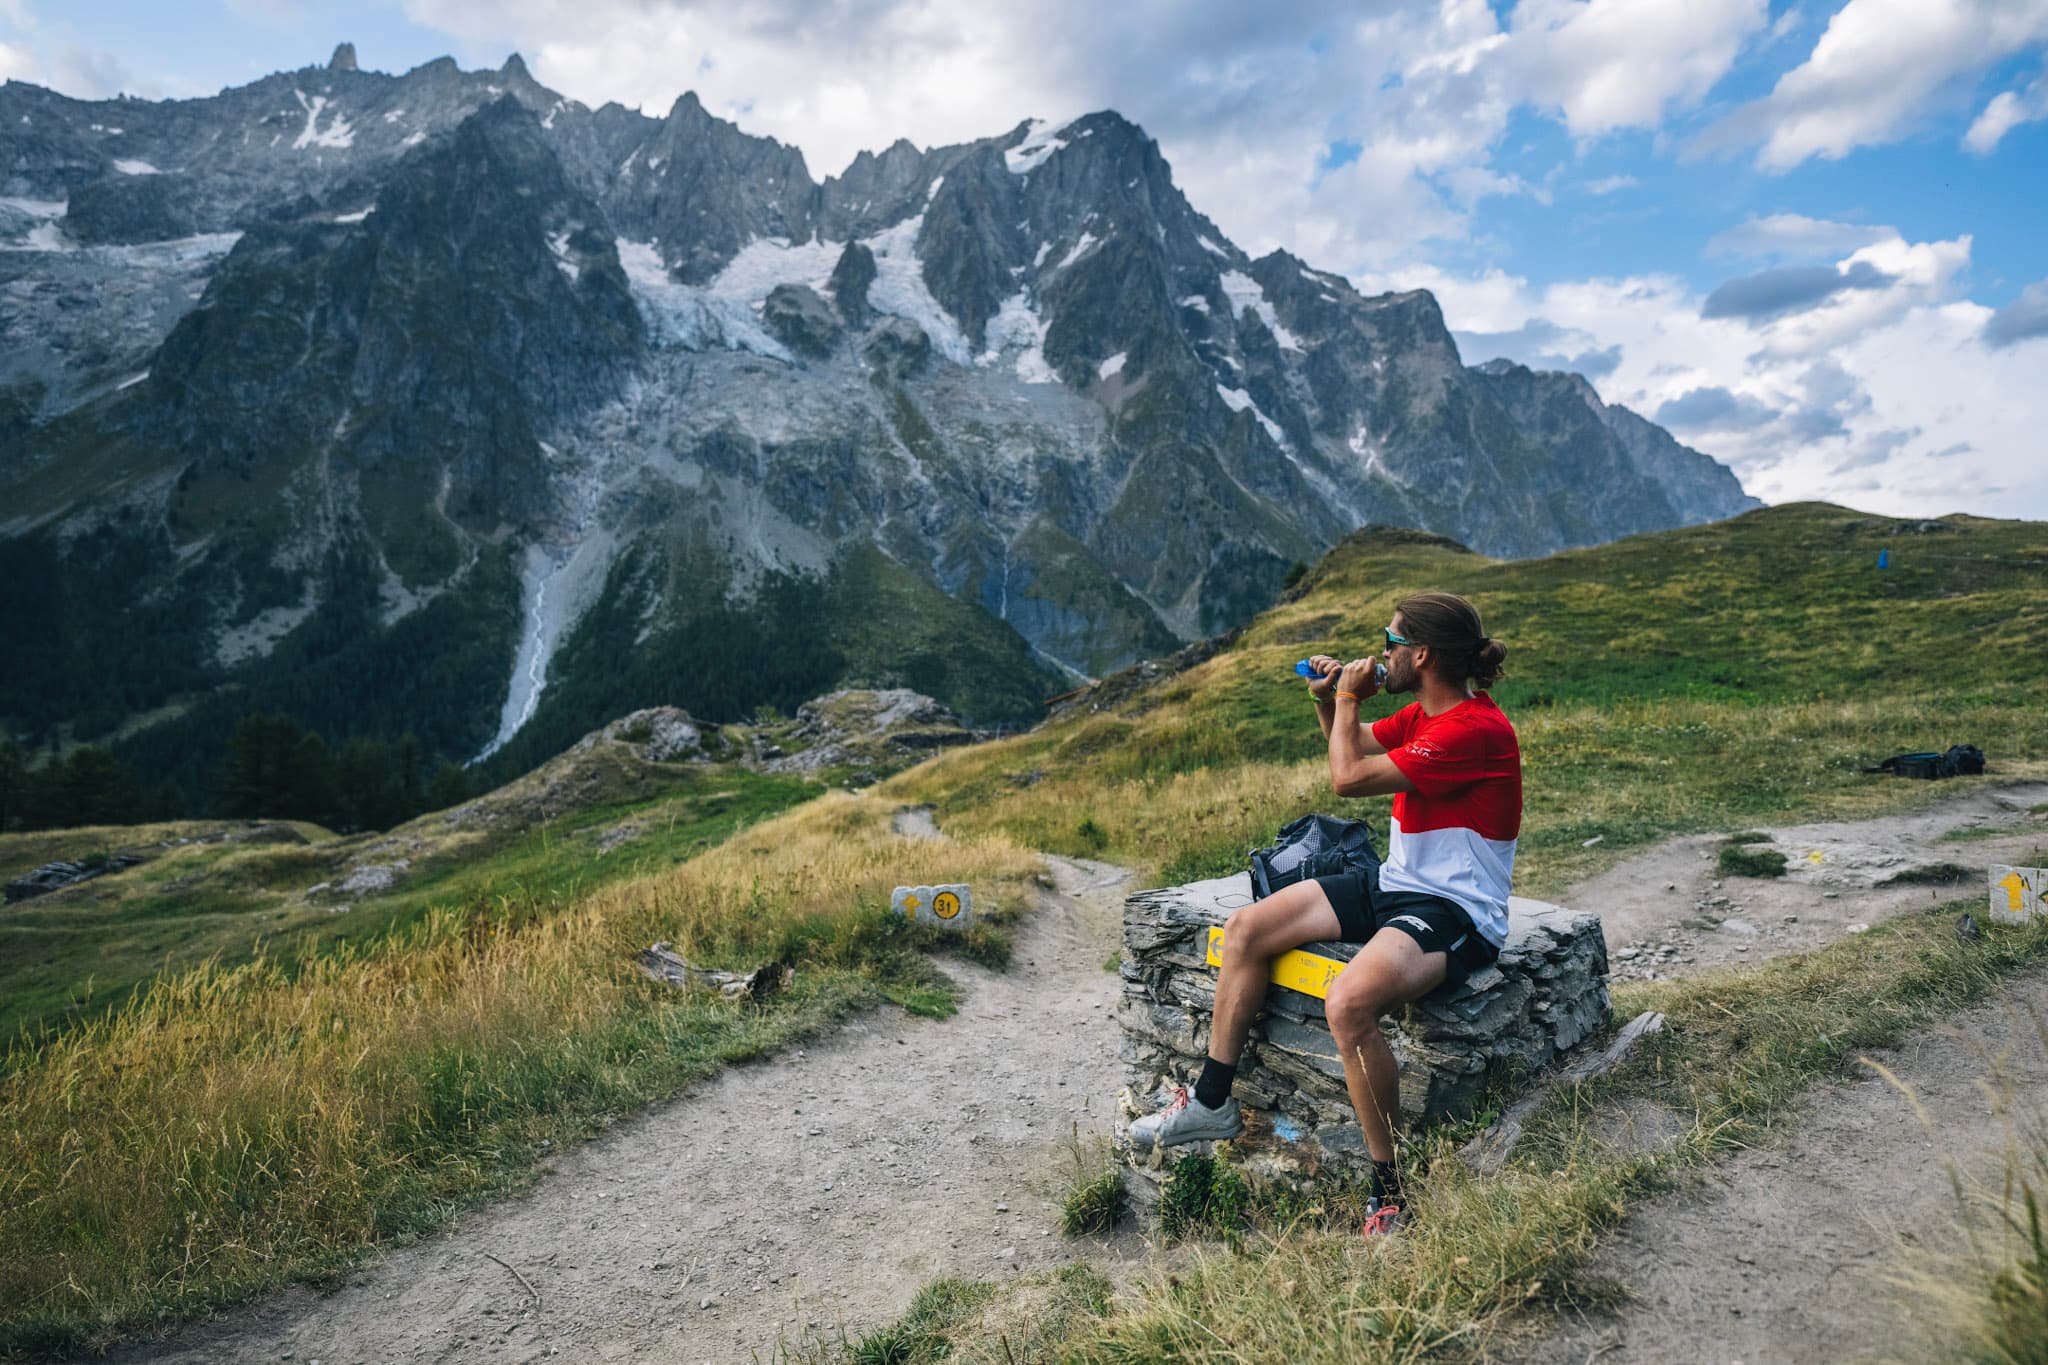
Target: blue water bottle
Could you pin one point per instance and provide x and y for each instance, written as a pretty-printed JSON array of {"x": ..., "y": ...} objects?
[{"x": 1379, "y": 673}]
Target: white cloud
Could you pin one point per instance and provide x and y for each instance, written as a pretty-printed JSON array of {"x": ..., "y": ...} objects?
[
  {"x": 1423, "y": 88},
  {"x": 1609, "y": 64},
  {"x": 2024, "y": 319},
  {"x": 90, "y": 74},
  {"x": 1876, "y": 70},
  {"x": 1793, "y": 235},
  {"x": 1611, "y": 184},
  {"x": 17, "y": 64},
  {"x": 2007, "y": 111},
  {"x": 1887, "y": 398}
]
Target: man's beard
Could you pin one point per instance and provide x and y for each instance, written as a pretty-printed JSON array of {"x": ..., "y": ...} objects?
[{"x": 1401, "y": 677}]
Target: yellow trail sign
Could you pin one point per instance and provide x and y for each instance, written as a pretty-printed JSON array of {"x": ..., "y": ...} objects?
[
  {"x": 1309, "y": 973},
  {"x": 2018, "y": 893}
]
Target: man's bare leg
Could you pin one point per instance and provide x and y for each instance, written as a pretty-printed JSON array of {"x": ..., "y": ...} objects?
[
  {"x": 1252, "y": 938},
  {"x": 1388, "y": 972}
]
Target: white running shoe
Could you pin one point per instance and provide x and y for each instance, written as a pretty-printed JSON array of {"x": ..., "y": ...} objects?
[{"x": 1186, "y": 1119}]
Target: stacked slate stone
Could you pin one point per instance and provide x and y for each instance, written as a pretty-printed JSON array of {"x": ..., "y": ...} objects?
[{"x": 1545, "y": 995}]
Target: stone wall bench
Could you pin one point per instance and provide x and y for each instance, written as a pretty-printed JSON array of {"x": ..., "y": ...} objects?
[{"x": 1545, "y": 995}]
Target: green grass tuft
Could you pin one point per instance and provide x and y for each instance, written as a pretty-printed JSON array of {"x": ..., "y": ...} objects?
[
  {"x": 1738, "y": 860},
  {"x": 920, "y": 1335},
  {"x": 1204, "y": 1196},
  {"x": 1096, "y": 1199},
  {"x": 1934, "y": 874}
]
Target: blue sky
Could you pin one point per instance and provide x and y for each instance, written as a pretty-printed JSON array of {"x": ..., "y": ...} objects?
[{"x": 1803, "y": 235}]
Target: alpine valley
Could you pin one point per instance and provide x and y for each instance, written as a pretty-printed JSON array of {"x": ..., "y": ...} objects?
[{"x": 441, "y": 403}]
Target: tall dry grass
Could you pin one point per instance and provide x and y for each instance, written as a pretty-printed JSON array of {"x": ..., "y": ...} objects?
[{"x": 238, "y": 1127}]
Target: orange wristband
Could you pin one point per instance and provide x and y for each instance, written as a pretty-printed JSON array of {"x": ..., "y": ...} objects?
[{"x": 1352, "y": 695}]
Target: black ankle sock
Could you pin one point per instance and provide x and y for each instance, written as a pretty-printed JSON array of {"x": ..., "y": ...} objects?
[
  {"x": 1214, "y": 1086},
  {"x": 1386, "y": 1182}
]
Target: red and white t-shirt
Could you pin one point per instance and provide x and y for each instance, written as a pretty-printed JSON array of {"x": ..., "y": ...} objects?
[{"x": 1454, "y": 835}]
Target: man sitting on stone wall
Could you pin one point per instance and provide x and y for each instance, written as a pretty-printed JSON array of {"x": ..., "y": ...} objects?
[{"x": 1433, "y": 913}]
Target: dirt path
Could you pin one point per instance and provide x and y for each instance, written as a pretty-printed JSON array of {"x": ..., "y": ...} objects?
[
  {"x": 1668, "y": 913},
  {"x": 815, "y": 1193},
  {"x": 805, "y": 1195},
  {"x": 1788, "y": 1256}
]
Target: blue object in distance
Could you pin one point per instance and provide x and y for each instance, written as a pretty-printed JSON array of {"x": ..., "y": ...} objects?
[{"x": 1884, "y": 559}]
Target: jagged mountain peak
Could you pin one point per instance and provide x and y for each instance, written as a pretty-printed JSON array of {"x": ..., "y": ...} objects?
[
  {"x": 344, "y": 58},
  {"x": 613, "y": 382}
]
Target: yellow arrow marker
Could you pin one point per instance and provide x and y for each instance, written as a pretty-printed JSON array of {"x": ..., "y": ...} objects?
[
  {"x": 2015, "y": 888},
  {"x": 910, "y": 907},
  {"x": 1816, "y": 857},
  {"x": 1309, "y": 973}
]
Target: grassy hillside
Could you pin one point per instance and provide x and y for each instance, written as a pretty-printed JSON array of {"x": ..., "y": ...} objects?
[
  {"x": 1679, "y": 681},
  {"x": 241, "y": 1127},
  {"x": 230, "y": 891}
]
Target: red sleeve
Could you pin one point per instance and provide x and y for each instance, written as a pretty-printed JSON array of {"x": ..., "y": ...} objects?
[
  {"x": 1445, "y": 757},
  {"x": 1391, "y": 732}
]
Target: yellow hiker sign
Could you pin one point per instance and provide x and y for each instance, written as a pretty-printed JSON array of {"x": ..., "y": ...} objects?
[
  {"x": 2018, "y": 893},
  {"x": 950, "y": 906},
  {"x": 1309, "y": 973}
]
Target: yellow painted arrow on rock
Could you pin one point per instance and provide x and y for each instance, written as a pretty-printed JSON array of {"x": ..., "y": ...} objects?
[{"x": 1309, "y": 973}]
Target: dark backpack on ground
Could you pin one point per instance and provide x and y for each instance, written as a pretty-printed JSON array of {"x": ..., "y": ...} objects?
[
  {"x": 1960, "y": 760},
  {"x": 1313, "y": 846}
]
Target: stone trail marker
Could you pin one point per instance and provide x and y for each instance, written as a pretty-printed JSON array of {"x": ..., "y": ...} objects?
[
  {"x": 2018, "y": 894},
  {"x": 949, "y": 906}
]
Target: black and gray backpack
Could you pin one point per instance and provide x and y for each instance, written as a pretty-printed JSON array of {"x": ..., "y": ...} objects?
[
  {"x": 1961, "y": 760},
  {"x": 1313, "y": 846}
]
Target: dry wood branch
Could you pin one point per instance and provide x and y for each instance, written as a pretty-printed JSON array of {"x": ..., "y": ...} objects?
[
  {"x": 524, "y": 1283},
  {"x": 1489, "y": 1151},
  {"x": 665, "y": 965}
]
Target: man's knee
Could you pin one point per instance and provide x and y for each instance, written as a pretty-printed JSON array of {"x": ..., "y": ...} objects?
[
  {"x": 1354, "y": 1006},
  {"x": 1244, "y": 935},
  {"x": 1265, "y": 929}
]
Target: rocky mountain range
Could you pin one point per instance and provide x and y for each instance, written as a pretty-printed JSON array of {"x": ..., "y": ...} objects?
[{"x": 439, "y": 401}]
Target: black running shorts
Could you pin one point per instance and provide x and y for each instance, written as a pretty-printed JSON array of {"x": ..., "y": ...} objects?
[{"x": 1436, "y": 924}]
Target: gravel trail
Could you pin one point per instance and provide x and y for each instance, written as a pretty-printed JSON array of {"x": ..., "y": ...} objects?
[
  {"x": 1791, "y": 1253},
  {"x": 802, "y": 1196},
  {"x": 812, "y": 1194}
]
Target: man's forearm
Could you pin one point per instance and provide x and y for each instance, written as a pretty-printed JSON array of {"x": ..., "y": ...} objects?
[
  {"x": 1347, "y": 749},
  {"x": 1325, "y": 710}
]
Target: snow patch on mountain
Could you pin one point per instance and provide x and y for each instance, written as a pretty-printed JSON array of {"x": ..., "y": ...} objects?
[
  {"x": 1237, "y": 400},
  {"x": 337, "y": 133},
  {"x": 692, "y": 318},
  {"x": 899, "y": 288},
  {"x": 1370, "y": 452},
  {"x": 1080, "y": 250},
  {"x": 768, "y": 261},
  {"x": 1039, "y": 143},
  {"x": 1017, "y": 328},
  {"x": 1113, "y": 365},
  {"x": 128, "y": 167},
  {"x": 1244, "y": 292},
  {"x": 565, "y": 260}
]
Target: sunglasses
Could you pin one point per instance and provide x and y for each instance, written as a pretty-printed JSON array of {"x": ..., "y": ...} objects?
[{"x": 1393, "y": 639}]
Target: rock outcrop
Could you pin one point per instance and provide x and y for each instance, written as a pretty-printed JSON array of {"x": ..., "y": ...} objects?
[{"x": 1546, "y": 994}]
